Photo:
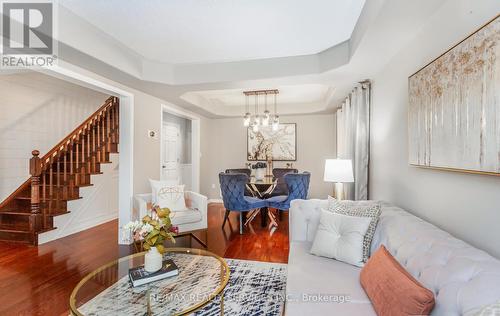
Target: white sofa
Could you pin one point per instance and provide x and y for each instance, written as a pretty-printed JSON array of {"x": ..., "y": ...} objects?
[
  {"x": 463, "y": 278},
  {"x": 188, "y": 220}
]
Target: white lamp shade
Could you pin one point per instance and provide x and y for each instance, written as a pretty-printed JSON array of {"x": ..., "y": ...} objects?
[{"x": 338, "y": 170}]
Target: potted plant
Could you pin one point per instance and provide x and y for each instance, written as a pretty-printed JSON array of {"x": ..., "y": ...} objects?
[
  {"x": 260, "y": 170},
  {"x": 151, "y": 232}
]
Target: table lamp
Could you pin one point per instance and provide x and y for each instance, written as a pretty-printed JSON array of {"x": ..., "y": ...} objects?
[{"x": 338, "y": 171}]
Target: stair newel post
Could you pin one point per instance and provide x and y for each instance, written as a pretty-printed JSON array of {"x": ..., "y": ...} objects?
[
  {"x": 35, "y": 217},
  {"x": 35, "y": 172},
  {"x": 77, "y": 166}
]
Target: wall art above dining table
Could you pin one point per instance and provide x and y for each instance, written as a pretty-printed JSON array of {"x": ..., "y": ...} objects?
[{"x": 268, "y": 143}]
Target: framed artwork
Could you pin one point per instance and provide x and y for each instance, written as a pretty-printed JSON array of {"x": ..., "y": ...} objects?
[
  {"x": 280, "y": 145},
  {"x": 454, "y": 106}
]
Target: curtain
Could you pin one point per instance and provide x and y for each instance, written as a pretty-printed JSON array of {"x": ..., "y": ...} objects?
[{"x": 353, "y": 138}]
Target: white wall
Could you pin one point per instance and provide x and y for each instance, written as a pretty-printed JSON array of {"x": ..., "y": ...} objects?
[
  {"x": 37, "y": 111},
  {"x": 227, "y": 148},
  {"x": 468, "y": 206}
]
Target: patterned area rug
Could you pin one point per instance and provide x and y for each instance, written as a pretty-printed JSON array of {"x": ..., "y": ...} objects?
[{"x": 254, "y": 288}]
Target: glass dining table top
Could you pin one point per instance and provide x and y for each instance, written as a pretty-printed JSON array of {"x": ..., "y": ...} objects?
[
  {"x": 108, "y": 291},
  {"x": 266, "y": 181}
]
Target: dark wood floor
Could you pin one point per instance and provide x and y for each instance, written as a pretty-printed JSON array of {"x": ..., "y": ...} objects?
[{"x": 39, "y": 280}]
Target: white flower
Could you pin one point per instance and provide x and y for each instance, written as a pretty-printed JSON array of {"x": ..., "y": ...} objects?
[
  {"x": 147, "y": 228},
  {"x": 133, "y": 226}
]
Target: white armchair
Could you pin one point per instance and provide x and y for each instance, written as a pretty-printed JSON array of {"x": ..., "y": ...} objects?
[{"x": 188, "y": 220}]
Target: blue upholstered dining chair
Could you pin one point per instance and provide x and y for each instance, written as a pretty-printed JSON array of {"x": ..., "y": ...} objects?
[
  {"x": 248, "y": 172},
  {"x": 298, "y": 186},
  {"x": 232, "y": 187}
]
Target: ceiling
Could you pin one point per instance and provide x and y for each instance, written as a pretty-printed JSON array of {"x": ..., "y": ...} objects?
[
  {"x": 291, "y": 99},
  {"x": 193, "y": 31},
  {"x": 200, "y": 55}
]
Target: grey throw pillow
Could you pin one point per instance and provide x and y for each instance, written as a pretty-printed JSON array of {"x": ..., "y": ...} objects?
[{"x": 360, "y": 209}]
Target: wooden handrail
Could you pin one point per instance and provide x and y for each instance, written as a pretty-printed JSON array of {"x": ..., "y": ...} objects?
[{"x": 74, "y": 134}]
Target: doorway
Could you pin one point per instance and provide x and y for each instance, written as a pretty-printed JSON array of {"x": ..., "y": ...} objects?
[
  {"x": 180, "y": 148},
  {"x": 172, "y": 148}
]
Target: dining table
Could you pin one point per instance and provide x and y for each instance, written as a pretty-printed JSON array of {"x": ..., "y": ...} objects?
[{"x": 262, "y": 188}]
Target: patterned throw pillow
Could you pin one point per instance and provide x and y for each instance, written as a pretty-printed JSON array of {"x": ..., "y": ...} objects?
[
  {"x": 158, "y": 184},
  {"x": 172, "y": 197},
  {"x": 360, "y": 209}
]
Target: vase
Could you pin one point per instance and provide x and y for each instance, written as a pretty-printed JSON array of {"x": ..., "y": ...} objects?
[
  {"x": 153, "y": 260},
  {"x": 260, "y": 173}
]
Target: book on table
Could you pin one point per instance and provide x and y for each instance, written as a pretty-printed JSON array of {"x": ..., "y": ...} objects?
[{"x": 138, "y": 276}]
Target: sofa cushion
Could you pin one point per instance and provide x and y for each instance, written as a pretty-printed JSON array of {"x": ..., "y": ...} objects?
[
  {"x": 341, "y": 237},
  {"x": 391, "y": 289},
  {"x": 311, "y": 277}
]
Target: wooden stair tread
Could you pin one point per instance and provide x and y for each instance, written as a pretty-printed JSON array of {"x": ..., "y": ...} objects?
[
  {"x": 49, "y": 199},
  {"x": 14, "y": 228},
  {"x": 19, "y": 213},
  {"x": 59, "y": 213},
  {"x": 46, "y": 230}
]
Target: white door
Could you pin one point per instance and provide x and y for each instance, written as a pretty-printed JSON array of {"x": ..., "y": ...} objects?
[{"x": 171, "y": 138}]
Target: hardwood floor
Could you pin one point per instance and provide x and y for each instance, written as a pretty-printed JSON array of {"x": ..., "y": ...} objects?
[{"x": 39, "y": 280}]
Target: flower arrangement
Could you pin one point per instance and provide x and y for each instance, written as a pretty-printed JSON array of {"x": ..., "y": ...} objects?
[
  {"x": 153, "y": 229},
  {"x": 259, "y": 165}
]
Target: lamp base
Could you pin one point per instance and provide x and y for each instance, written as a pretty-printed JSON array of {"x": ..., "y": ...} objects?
[{"x": 338, "y": 191}]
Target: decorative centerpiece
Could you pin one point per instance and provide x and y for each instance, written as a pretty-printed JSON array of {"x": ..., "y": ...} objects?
[
  {"x": 151, "y": 232},
  {"x": 260, "y": 170}
]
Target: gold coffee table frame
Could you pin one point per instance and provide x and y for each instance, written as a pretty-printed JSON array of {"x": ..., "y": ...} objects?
[{"x": 198, "y": 252}]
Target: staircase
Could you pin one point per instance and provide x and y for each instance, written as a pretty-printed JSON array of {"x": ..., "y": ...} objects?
[{"x": 57, "y": 176}]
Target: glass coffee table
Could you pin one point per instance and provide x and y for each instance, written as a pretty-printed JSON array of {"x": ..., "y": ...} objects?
[{"x": 108, "y": 291}]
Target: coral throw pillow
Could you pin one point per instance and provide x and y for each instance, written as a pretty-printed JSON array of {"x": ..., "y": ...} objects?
[{"x": 391, "y": 289}]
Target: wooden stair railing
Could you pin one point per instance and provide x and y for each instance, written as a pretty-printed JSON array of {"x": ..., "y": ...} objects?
[{"x": 57, "y": 176}]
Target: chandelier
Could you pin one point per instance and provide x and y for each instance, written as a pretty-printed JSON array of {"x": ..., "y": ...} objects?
[{"x": 266, "y": 118}]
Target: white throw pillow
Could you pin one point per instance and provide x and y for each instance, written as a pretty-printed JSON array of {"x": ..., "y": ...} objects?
[
  {"x": 340, "y": 237},
  {"x": 172, "y": 197},
  {"x": 361, "y": 209},
  {"x": 156, "y": 185}
]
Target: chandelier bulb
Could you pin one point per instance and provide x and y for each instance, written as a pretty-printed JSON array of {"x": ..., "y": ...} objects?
[{"x": 246, "y": 119}]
